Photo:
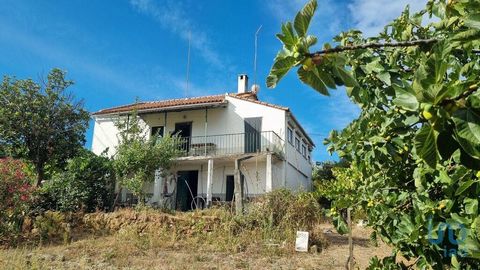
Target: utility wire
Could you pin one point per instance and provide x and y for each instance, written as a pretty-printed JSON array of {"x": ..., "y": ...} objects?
[{"x": 188, "y": 62}]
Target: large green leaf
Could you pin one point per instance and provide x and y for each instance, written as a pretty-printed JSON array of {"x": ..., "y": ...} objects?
[
  {"x": 287, "y": 36},
  {"x": 326, "y": 78},
  {"x": 303, "y": 18},
  {"x": 311, "y": 79},
  {"x": 385, "y": 78},
  {"x": 305, "y": 43},
  {"x": 345, "y": 76},
  {"x": 448, "y": 144},
  {"x": 471, "y": 206},
  {"x": 405, "y": 99},
  {"x": 374, "y": 66},
  {"x": 473, "y": 21},
  {"x": 467, "y": 130},
  {"x": 280, "y": 68},
  {"x": 467, "y": 35},
  {"x": 474, "y": 100},
  {"x": 426, "y": 145},
  {"x": 464, "y": 186}
]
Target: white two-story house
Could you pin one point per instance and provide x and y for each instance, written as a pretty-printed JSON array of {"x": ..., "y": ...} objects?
[{"x": 218, "y": 130}]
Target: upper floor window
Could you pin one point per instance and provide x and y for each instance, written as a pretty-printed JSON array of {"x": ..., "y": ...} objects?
[
  {"x": 297, "y": 144},
  {"x": 157, "y": 131},
  {"x": 290, "y": 135},
  {"x": 304, "y": 150}
]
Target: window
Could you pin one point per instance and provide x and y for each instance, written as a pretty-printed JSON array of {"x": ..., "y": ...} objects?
[
  {"x": 158, "y": 130},
  {"x": 290, "y": 135},
  {"x": 304, "y": 150},
  {"x": 297, "y": 144}
]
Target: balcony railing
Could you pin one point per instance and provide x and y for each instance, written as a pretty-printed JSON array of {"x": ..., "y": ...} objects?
[{"x": 231, "y": 144}]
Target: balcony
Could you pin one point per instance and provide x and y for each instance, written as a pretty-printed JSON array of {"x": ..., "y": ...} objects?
[{"x": 231, "y": 144}]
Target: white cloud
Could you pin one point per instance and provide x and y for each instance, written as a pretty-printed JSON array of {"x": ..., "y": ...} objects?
[
  {"x": 171, "y": 16},
  {"x": 370, "y": 16}
]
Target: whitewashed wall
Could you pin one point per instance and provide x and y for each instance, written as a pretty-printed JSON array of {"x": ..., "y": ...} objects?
[
  {"x": 253, "y": 170},
  {"x": 299, "y": 168},
  {"x": 227, "y": 120}
]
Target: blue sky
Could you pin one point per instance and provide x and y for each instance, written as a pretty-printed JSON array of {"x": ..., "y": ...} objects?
[{"x": 118, "y": 50}]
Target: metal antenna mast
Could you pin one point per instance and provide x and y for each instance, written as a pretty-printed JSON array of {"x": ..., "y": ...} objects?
[
  {"x": 188, "y": 62},
  {"x": 255, "y": 57}
]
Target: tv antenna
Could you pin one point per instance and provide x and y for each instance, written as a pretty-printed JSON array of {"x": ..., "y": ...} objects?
[
  {"x": 255, "y": 57},
  {"x": 188, "y": 62}
]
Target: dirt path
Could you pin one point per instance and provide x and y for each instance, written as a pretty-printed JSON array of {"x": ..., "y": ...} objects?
[{"x": 109, "y": 252}]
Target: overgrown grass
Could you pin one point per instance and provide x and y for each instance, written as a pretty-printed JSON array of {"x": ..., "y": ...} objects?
[
  {"x": 269, "y": 225},
  {"x": 267, "y": 230}
]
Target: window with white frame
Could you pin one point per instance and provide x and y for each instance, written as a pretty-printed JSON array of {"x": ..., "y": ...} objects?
[
  {"x": 297, "y": 144},
  {"x": 290, "y": 135},
  {"x": 304, "y": 150}
]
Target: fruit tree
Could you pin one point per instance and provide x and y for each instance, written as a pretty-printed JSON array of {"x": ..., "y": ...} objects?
[{"x": 417, "y": 139}]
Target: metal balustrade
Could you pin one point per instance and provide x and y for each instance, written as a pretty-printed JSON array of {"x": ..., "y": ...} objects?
[{"x": 230, "y": 144}]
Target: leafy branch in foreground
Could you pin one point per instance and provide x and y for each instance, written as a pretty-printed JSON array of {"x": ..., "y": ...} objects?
[{"x": 416, "y": 142}]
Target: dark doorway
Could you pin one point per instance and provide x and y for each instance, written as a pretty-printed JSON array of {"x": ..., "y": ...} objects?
[
  {"x": 230, "y": 190},
  {"x": 253, "y": 128},
  {"x": 184, "y": 130},
  {"x": 187, "y": 186}
]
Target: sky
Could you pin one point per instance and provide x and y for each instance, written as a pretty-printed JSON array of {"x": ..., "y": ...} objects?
[{"x": 118, "y": 50}]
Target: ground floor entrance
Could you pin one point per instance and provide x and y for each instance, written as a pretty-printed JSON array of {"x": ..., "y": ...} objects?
[{"x": 187, "y": 190}]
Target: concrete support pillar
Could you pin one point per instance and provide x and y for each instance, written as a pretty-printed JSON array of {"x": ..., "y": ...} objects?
[
  {"x": 124, "y": 195},
  {"x": 238, "y": 189},
  {"x": 268, "y": 176},
  {"x": 157, "y": 187},
  {"x": 209, "y": 182}
]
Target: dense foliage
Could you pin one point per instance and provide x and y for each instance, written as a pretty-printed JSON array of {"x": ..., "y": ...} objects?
[
  {"x": 41, "y": 122},
  {"x": 341, "y": 191},
  {"x": 87, "y": 183},
  {"x": 15, "y": 194},
  {"x": 417, "y": 139},
  {"x": 137, "y": 157}
]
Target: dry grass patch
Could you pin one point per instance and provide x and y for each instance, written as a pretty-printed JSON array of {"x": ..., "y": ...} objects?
[{"x": 211, "y": 239}]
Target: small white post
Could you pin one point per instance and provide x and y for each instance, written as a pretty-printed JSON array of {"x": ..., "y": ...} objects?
[
  {"x": 269, "y": 178},
  {"x": 209, "y": 182}
]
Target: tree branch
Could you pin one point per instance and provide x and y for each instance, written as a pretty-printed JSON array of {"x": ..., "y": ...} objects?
[{"x": 374, "y": 45}]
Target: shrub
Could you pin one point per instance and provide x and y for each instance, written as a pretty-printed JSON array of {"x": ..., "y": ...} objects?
[
  {"x": 279, "y": 214},
  {"x": 51, "y": 226},
  {"x": 341, "y": 192},
  {"x": 15, "y": 196},
  {"x": 269, "y": 225},
  {"x": 86, "y": 184},
  {"x": 137, "y": 158}
]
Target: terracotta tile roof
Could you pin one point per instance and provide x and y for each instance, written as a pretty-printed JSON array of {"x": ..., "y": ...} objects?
[
  {"x": 253, "y": 98},
  {"x": 163, "y": 104},
  {"x": 172, "y": 103}
]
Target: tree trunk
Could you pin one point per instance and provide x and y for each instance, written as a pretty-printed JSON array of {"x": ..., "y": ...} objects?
[
  {"x": 117, "y": 199},
  {"x": 40, "y": 174}
]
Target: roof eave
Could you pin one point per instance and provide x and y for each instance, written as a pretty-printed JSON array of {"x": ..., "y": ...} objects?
[{"x": 168, "y": 109}]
